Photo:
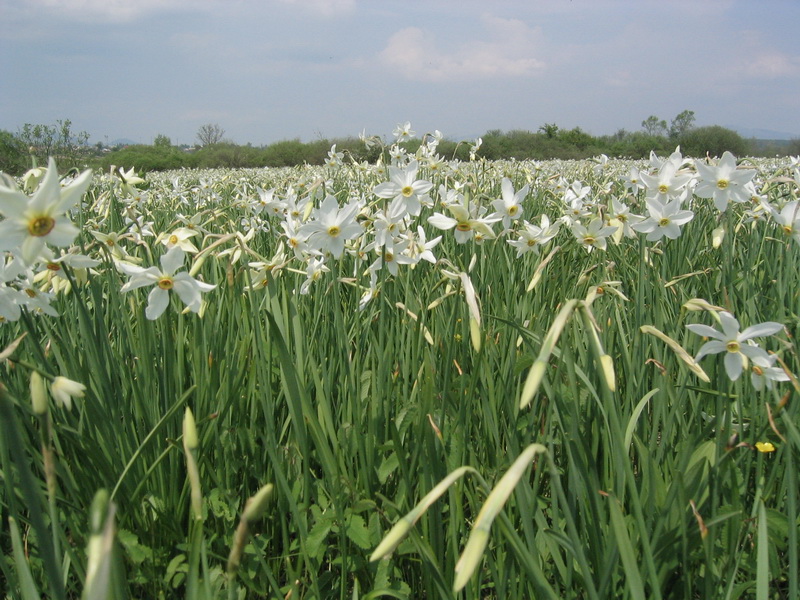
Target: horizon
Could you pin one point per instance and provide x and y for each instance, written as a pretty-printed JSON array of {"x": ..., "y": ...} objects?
[{"x": 325, "y": 69}]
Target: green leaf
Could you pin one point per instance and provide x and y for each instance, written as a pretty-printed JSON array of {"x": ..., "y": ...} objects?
[
  {"x": 388, "y": 466},
  {"x": 357, "y": 532}
]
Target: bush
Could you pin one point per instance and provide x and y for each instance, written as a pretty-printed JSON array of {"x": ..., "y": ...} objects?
[
  {"x": 13, "y": 154},
  {"x": 145, "y": 158},
  {"x": 712, "y": 140}
]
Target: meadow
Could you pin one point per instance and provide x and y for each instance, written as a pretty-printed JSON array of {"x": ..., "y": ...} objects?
[{"x": 422, "y": 378}]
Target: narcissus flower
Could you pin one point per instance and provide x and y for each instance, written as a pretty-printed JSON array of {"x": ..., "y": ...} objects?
[
  {"x": 405, "y": 186},
  {"x": 734, "y": 343},
  {"x": 30, "y": 223},
  {"x": 165, "y": 279},
  {"x": 723, "y": 182},
  {"x": 665, "y": 220},
  {"x": 64, "y": 390}
]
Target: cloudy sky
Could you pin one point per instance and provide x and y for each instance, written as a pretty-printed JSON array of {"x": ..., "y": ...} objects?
[{"x": 269, "y": 70}]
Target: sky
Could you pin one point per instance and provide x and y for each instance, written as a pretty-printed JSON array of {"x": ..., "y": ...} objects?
[{"x": 273, "y": 70}]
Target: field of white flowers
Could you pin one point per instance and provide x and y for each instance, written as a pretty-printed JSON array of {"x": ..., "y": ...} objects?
[{"x": 418, "y": 379}]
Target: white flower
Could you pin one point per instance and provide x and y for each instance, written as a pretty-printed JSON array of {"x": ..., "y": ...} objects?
[
  {"x": 30, "y": 223},
  {"x": 532, "y": 237},
  {"x": 64, "y": 390},
  {"x": 509, "y": 207},
  {"x": 723, "y": 182},
  {"x": 594, "y": 235},
  {"x": 331, "y": 226},
  {"x": 764, "y": 372},
  {"x": 664, "y": 220},
  {"x": 403, "y": 185},
  {"x": 734, "y": 343},
  {"x": 667, "y": 183},
  {"x": 187, "y": 288}
]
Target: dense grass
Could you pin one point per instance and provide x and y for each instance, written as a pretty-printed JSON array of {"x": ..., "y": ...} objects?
[{"x": 644, "y": 484}]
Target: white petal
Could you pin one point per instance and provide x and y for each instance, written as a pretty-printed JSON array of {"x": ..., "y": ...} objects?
[
  {"x": 158, "y": 300},
  {"x": 761, "y": 330}
]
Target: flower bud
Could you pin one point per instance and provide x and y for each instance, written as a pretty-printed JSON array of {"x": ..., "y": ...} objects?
[
  {"x": 64, "y": 390},
  {"x": 38, "y": 394}
]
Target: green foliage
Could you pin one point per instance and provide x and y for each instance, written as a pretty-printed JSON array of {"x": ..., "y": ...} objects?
[
  {"x": 655, "y": 127},
  {"x": 210, "y": 134},
  {"x": 13, "y": 154},
  {"x": 644, "y": 484},
  {"x": 145, "y": 158},
  {"x": 713, "y": 141},
  {"x": 162, "y": 141},
  {"x": 681, "y": 124},
  {"x": 68, "y": 147}
]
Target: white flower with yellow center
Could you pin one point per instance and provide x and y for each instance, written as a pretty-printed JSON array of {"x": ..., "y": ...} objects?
[
  {"x": 723, "y": 182},
  {"x": 31, "y": 223},
  {"x": 165, "y": 279},
  {"x": 404, "y": 185},
  {"x": 736, "y": 345}
]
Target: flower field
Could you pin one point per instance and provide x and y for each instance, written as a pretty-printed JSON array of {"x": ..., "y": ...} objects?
[{"x": 423, "y": 378}]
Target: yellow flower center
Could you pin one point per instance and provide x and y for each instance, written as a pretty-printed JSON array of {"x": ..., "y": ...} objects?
[
  {"x": 787, "y": 229},
  {"x": 589, "y": 240},
  {"x": 165, "y": 283},
  {"x": 173, "y": 239},
  {"x": 758, "y": 370},
  {"x": 53, "y": 267},
  {"x": 334, "y": 230},
  {"x": 110, "y": 243},
  {"x": 41, "y": 226},
  {"x": 407, "y": 191},
  {"x": 531, "y": 243},
  {"x": 388, "y": 256},
  {"x": 663, "y": 222},
  {"x": 512, "y": 210},
  {"x": 464, "y": 226},
  {"x": 663, "y": 188},
  {"x": 732, "y": 346},
  {"x": 723, "y": 184}
]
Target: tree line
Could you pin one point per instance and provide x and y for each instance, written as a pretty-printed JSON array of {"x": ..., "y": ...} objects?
[{"x": 32, "y": 144}]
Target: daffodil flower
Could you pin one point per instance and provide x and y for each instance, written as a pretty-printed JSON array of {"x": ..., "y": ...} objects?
[
  {"x": 64, "y": 390},
  {"x": 665, "y": 220},
  {"x": 723, "y": 182},
  {"x": 165, "y": 279},
  {"x": 332, "y": 226},
  {"x": 404, "y": 185},
  {"x": 734, "y": 343},
  {"x": 31, "y": 223},
  {"x": 509, "y": 207}
]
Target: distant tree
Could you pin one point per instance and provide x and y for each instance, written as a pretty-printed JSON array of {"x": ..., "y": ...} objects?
[
  {"x": 713, "y": 141},
  {"x": 550, "y": 130},
  {"x": 162, "y": 141},
  {"x": 681, "y": 124},
  {"x": 13, "y": 154},
  {"x": 654, "y": 126},
  {"x": 68, "y": 147},
  {"x": 210, "y": 134}
]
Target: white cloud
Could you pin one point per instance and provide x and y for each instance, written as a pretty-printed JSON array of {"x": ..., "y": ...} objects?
[
  {"x": 772, "y": 65},
  {"x": 509, "y": 51},
  {"x": 116, "y": 11},
  {"x": 323, "y": 7}
]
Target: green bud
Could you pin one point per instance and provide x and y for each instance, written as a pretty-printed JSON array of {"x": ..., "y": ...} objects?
[
  {"x": 38, "y": 394},
  {"x": 189, "y": 430},
  {"x": 255, "y": 506}
]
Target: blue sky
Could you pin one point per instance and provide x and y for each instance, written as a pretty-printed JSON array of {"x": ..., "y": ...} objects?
[{"x": 281, "y": 69}]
